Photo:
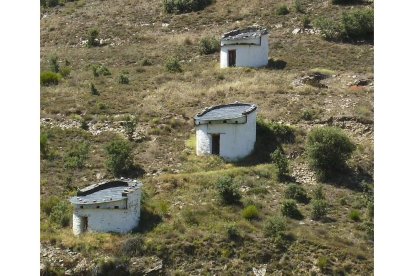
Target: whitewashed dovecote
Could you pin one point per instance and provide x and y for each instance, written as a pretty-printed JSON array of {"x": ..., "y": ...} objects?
[
  {"x": 226, "y": 130},
  {"x": 247, "y": 47},
  {"x": 111, "y": 206}
]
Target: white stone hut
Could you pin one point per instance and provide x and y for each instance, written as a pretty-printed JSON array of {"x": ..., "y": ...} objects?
[
  {"x": 226, "y": 130},
  {"x": 247, "y": 47},
  {"x": 111, "y": 206}
]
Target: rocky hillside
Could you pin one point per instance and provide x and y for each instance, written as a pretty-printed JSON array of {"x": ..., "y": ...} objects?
[{"x": 111, "y": 58}]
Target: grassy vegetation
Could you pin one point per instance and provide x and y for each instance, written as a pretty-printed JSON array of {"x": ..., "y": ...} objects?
[{"x": 184, "y": 220}]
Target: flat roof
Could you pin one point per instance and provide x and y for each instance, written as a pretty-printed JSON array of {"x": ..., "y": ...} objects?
[
  {"x": 226, "y": 111},
  {"x": 108, "y": 191},
  {"x": 249, "y": 32}
]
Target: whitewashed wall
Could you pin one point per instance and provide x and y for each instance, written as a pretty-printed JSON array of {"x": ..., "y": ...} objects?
[
  {"x": 107, "y": 219},
  {"x": 247, "y": 55},
  {"x": 236, "y": 140}
]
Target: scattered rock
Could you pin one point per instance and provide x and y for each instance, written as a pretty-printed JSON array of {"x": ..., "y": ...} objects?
[{"x": 296, "y": 31}]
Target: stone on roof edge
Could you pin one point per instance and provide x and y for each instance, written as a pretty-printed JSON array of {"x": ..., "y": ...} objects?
[
  {"x": 252, "y": 108},
  {"x": 263, "y": 31}
]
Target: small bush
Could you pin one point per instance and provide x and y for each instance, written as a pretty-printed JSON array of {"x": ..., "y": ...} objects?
[
  {"x": 119, "y": 154},
  {"x": 232, "y": 232},
  {"x": 250, "y": 212},
  {"x": 123, "y": 79},
  {"x": 44, "y": 147},
  {"x": 185, "y": 6},
  {"x": 146, "y": 62},
  {"x": 307, "y": 115},
  {"x": 330, "y": 29},
  {"x": 306, "y": 22},
  {"x": 49, "y": 3},
  {"x": 100, "y": 70},
  {"x": 319, "y": 209},
  {"x": 48, "y": 78},
  {"x": 344, "y": 2},
  {"x": 172, "y": 65},
  {"x": 47, "y": 205},
  {"x": 275, "y": 227},
  {"x": 129, "y": 126},
  {"x": 318, "y": 193},
  {"x": 65, "y": 71},
  {"x": 282, "y": 10},
  {"x": 84, "y": 124},
  {"x": 228, "y": 192},
  {"x": 209, "y": 45},
  {"x": 61, "y": 214},
  {"x": 77, "y": 155},
  {"x": 355, "y": 215},
  {"x": 93, "y": 38},
  {"x": 296, "y": 192},
  {"x": 328, "y": 149},
  {"x": 281, "y": 162},
  {"x": 283, "y": 133},
  {"x": 299, "y": 6},
  {"x": 94, "y": 91},
  {"x": 53, "y": 64},
  {"x": 322, "y": 263},
  {"x": 359, "y": 23},
  {"x": 290, "y": 209}
]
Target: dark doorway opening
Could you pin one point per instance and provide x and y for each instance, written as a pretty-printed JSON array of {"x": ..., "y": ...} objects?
[
  {"x": 232, "y": 58},
  {"x": 84, "y": 224},
  {"x": 215, "y": 145}
]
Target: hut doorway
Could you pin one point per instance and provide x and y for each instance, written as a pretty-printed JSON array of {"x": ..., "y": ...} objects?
[
  {"x": 232, "y": 58},
  {"x": 215, "y": 145}
]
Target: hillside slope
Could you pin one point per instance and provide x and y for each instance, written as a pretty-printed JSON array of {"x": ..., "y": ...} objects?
[{"x": 184, "y": 227}]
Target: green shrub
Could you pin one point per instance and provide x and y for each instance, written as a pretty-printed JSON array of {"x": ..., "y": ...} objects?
[
  {"x": 328, "y": 149},
  {"x": 306, "y": 22},
  {"x": 318, "y": 193},
  {"x": 345, "y": 2},
  {"x": 119, "y": 153},
  {"x": 53, "y": 64},
  {"x": 77, "y": 155},
  {"x": 209, "y": 45},
  {"x": 172, "y": 65},
  {"x": 49, "y": 78},
  {"x": 370, "y": 211},
  {"x": 65, "y": 71},
  {"x": 282, "y": 10},
  {"x": 232, "y": 232},
  {"x": 307, "y": 115},
  {"x": 359, "y": 23},
  {"x": 299, "y": 6},
  {"x": 355, "y": 215},
  {"x": 146, "y": 62},
  {"x": 129, "y": 126},
  {"x": 61, "y": 214},
  {"x": 93, "y": 38},
  {"x": 49, "y": 3},
  {"x": 185, "y": 6},
  {"x": 319, "y": 209},
  {"x": 283, "y": 133},
  {"x": 322, "y": 263},
  {"x": 296, "y": 192},
  {"x": 100, "y": 70},
  {"x": 330, "y": 29},
  {"x": 281, "y": 162},
  {"x": 94, "y": 91},
  {"x": 84, "y": 124},
  {"x": 275, "y": 227},
  {"x": 123, "y": 79},
  {"x": 47, "y": 205},
  {"x": 250, "y": 212},
  {"x": 290, "y": 209},
  {"x": 228, "y": 192},
  {"x": 44, "y": 147}
]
